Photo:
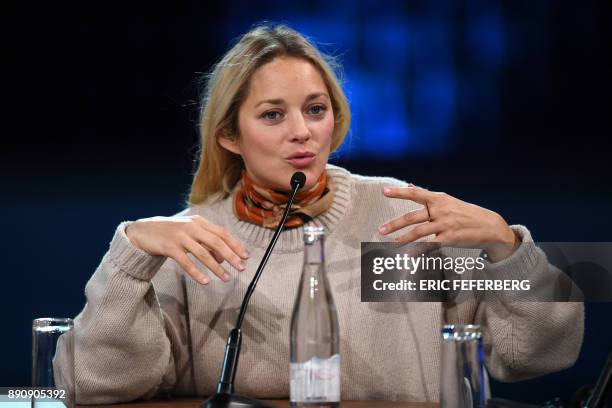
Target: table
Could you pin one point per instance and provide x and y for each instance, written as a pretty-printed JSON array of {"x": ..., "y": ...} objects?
[{"x": 195, "y": 403}]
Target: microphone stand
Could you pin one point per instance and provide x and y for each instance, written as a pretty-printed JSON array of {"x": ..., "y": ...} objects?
[
  {"x": 224, "y": 396},
  {"x": 602, "y": 387}
]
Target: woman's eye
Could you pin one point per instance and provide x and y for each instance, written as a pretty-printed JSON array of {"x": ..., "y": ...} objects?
[
  {"x": 317, "y": 109},
  {"x": 272, "y": 115}
]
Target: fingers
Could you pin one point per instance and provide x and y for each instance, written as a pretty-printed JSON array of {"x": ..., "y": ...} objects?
[
  {"x": 227, "y": 238},
  {"x": 185, "y": 263},
  {"x": 210, "y": 244},
  {"x": 412, "y": 217},
  {"x": 218, "y": 245},
  {"x": 217, "y": 257},
  {"x": 420, "y": 231},
  {"x": 414, "y": 193},
  {"x": 207, "y": 259}
]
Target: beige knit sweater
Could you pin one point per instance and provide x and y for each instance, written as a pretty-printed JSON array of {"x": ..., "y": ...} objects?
[{"x": 148, "y": 329}]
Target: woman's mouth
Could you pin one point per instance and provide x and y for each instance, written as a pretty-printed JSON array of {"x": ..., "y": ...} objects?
[{"x": 301, "y": 160}]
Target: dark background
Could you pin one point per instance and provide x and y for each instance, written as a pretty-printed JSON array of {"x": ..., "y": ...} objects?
[{"x": 503, "y": 104}]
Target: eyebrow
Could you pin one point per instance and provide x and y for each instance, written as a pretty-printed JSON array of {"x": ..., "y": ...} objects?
[{"x": 281, "y": 101}]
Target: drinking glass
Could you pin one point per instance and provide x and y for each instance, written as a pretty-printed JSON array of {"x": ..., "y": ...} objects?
[
  {"x": 53, "y": 363},
  {"x": 462, "y": 376}
]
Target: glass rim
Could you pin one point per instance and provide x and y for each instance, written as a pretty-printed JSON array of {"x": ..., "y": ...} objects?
[
  {"x": 313, "y": 229},
  {"x": 461, "y": 326},
  {"x": 461, "y": 331},
  {"x": 52, "y": 321}
]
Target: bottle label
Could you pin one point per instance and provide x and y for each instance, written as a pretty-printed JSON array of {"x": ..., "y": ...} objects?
[{"x": 316, "y": 380}]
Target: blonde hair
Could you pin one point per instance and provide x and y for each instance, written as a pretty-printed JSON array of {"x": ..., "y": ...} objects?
[{"x": 225, "y": 91}]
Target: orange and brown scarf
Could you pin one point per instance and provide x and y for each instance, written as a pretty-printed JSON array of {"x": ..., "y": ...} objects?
[{"x": 264, "y": 206}]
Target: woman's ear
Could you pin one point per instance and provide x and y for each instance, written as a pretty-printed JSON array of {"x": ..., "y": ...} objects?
[{"x": 228, "y": 143}]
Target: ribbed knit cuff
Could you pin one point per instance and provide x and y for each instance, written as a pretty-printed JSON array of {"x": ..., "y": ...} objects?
[
  {"x": 528, "y": 262},
  {"x": 520, "y": 264},
  {"x": 130, "y": 259}
]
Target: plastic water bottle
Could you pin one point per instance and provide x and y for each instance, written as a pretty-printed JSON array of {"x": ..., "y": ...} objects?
[{"x": 315, "y": 335}]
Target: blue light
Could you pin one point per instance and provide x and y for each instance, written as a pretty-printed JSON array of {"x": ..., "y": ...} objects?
[
  {"x": 485, "y": 39},
  {"x": 414, "y": 73}
]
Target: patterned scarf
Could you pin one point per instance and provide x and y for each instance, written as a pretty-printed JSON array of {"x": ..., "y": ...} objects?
[{"x": 263, "y": 206}]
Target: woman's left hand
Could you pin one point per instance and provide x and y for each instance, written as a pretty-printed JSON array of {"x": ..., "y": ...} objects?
[{"x": 452, "y": 221}]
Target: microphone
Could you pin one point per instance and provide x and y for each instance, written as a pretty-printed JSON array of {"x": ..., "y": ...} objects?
[
  {"x": 298, "y": 179},
  {"x": 224, "y": 396}
]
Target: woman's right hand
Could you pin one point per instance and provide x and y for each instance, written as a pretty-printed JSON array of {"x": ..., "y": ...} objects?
[{"x": 175, "y": 237}]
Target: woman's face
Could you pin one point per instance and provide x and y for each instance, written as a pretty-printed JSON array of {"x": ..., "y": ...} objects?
[{"x": 285, "y": 124}]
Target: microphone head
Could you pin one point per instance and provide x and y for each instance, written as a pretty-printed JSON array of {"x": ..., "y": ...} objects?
[{"x": 298, "y": 179}]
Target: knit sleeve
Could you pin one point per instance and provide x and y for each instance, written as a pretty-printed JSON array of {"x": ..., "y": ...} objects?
[
  {"x": 125, "y": 343},
  {"x": 524, "y": 339}
]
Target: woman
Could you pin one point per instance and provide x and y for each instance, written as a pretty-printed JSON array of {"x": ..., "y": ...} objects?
[{"x": 161, "y": 303}]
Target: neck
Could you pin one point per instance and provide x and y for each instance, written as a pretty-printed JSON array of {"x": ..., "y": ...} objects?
[{"x": 292, "y": 240}]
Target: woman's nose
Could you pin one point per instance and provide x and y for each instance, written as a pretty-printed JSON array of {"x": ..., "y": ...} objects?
[{"x": 299, "y": 130}]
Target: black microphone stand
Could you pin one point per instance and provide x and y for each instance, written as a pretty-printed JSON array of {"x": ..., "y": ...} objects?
[
  {"x": 602, "y": 387},
  {"x": 224, "y": 396}
]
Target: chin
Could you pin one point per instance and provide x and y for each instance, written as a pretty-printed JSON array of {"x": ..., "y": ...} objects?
[{"x": 312, "y": 175}]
